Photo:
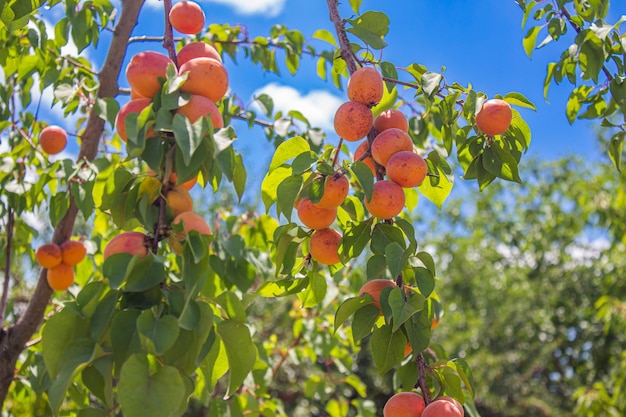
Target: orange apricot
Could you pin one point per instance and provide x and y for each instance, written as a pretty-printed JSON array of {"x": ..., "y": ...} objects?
[
  {"x": 315, "y": 217},
  {"x": 336, "y": 190},
  {"x": 187, "y": 17},
  {"x": 406, "y": 168},
  {"x": 365, "y": 86},
  {"x": 443, "y": 408},
  {"x": 452, "y": 400},
  {"x": 135, "y": 95},
  {"x": 133, "y": 243},
  {"x": 144, "y": 70},
  {"x": 190, "y": 221},
  {"x": 179, "y": 200},
  {"x": 404, "y": 404},
  {"x": 391, "y": 118},
  {"x": 197, "y": 50},
  {"x": 324, "y": 246},
  {"x": 353, "y": 121},
  {"x": 173, "y": 179},
  {"x": 494, "y": 118},
  {"x": 200, "y": 106},
  {"x": 133, "y": 106},
  {"x": 207, "y": 77},
  {"x": 49, "y": 255},
  {"x": 389, "y": 142},
  {"x": 360, "y": 151},
  {"x": 73, "y": 252},
  {"x": 61, "y": 277},
  {"x": 387, "y": 200},
  {"x": 53, "y": 139},
  {"x": 374, "y": 287}
]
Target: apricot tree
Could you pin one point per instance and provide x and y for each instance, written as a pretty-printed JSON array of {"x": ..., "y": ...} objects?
[{"x": 162, "y": 315}]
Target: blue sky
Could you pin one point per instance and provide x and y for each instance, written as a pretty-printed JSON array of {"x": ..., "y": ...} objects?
[{"x": 479, "y": 42}]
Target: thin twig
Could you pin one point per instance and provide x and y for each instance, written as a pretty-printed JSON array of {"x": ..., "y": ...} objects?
[
  {"x": 7, "y": 265},
  {"x": 168, "y": 38},
  {"x": 421, "y": 378},
  {"x": 344, "y": 42}
]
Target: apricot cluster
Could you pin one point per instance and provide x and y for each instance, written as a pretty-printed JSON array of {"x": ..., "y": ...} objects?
[
  {"x": 59, "y": 260},
  {"x": 411, "y": 404}
]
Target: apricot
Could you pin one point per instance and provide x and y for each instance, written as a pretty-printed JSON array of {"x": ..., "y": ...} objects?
[
  {"x": 133, "y": 243},
  {"x": 133, "y": 106},
  {"x": 207, "y": 77},
  {"x": 360, "y": 151},
  {"x": 365, "y": 86},
  {"x": 404, "y": 404},
  {"x": 407, "y": 169},
  {"x": 49, "y": 255},
  {"x": 452, "y": 400},
  {"x": 173, "y": 179},
  {"x": 387, "y": 200},
  {"x": 324, "y": 246},
  {"x": 53, "y": 139},
  {"x": 374, "y": 287},
  {"x": 73, "y": 252},
  {"x": 353, "y": 121},
  {"x": 187, "y": 17},
  {"x": 391, "y": 118},
  {"x": 389, "y": 142},
  {"x": 179, "y": 200},
  {"x": 61, "y": 277},
  {"x": 315, "y": 217},
  {"x": 439, "y": 408},
  {"x": 494, "y": 118},
  {"x": 135, "y": 95},
  {"x": 200, "y": 106},
  {"x": 190, "y": 221},
  {"x": 197, "y": 50},
  {"x": 336, "y": 189},
  {"x": 144, "y": 70}
]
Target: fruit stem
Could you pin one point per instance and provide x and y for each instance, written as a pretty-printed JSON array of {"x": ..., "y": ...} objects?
[
  {"x": 168, "y": 38},
  {"x": 7, "y": 265},
  {"x": 421, "y": 378},
  {"x": 337, "y": 149}
]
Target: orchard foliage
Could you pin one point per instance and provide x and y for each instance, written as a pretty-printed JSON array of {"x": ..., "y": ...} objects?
[{"x": 180, "y": 323}]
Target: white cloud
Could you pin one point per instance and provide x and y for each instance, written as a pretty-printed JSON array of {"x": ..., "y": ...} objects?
[
  {"x": 270, "y": 8},
  {"x": 318, "y": 106}
]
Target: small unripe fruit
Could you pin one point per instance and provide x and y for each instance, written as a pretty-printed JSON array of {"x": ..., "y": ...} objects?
[
  {"x": 353, "y": 121},
  {"x": 73, "y": 252},
  {"x": 61, "y": 277},
  {"x": 53, "y": 139},
  {"x": 494, "y": 118},
  {"x": 404, "y": 404},
  {"x": 387, "y": 200},
  {"x": 187, "y": 17},
  {"x": 324, "y": 246},
  {"x": 49, "y": 255},
  {"x": 365, "y": 86},
  {"x": 315, "y": 217},
  {"x": 133, "y": 243}
]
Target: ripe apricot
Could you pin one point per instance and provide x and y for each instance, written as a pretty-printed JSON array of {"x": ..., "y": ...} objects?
[
  {"x": 360, "y": 151},
  {"x": 336, "y": 189},
  {"x": 389, "y": 142},
  {"x": 353, "y": 121},
  {"x": 365, "y": 86},
  {"x": 452, "y": 400},
  {"x": 404, "y": 404},
  {"x": 179, "y": 200},
  {"x": 133, "y": 243},
  {"x": 324, "y": 246},
  {"x": 187, "y": 17},
  {"x": 73, "y": 252},
  {"x": 200, "y": 106},
  {"x": 197, "y": 50},
  {"x": 207, "y": 77},
  {"x": 143, "y": 72},
  {"x": 391, "y": 118},
  {"x": 190, "y": 221},
  {"x": 443, "y": 408},
  {"x": 387, "y": 200},
  {"x": 374, "y": 287},
  {"x": 315, "y": 217},
  {"x": 135, "y": 95},
  {"x": 49, "y": 255},
  {"x": 407, "y": 169},
  {"x": 61, "y": 277},
  {"x": 494, "y": 118},
  {"x": 173, "y": 180},
  {"x": 133, "y": 106},
  {"x": 53, "y": 139}
]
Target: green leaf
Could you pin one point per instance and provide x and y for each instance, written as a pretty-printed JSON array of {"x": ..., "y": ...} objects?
[
  {"x": 431, "y": 82},
  {"x": 157, "y": 334},
  {"x": 465, "y": 373},
  {"x": 355, "y": 5},
  {"x": 575, "y": 101},
  {"x": 530, "y": 40},
  {"x": 425, "y": 280},
  {"x": 395, "y": 259},
  {"x": 403, "y": 310},
  {"x": 188, "y": 136},
  {"x": 57, "y": 336},
  {"x": 348, "y": 307},
  {"x": 500, "y": 163},
  {"x": 387, "y": 348},
  {"x": 616, "y": 149},
  {"x": 287, "y": 150},
  {"x": 363, "y": 321},
  {"x": 59, "y": 204},
  {"x": 269, "y": 186},
  {"x": 436, "y": 188},
  {"x": 232, "y": 305},
  {"x": 376, "y": 266},
  {"x": 371, "y": 27},
  {"x": 355, "y": 238},
  {"x": 324, "y": 35},
  {"x": 520, "y": 100},
  {"x": 364, "y": 177},
  {"x": 142, "y": 393},
  {"x": 287, "y": 193},
  {"x": 240, "y": 351},
  {"x": 591, "y": 56}
]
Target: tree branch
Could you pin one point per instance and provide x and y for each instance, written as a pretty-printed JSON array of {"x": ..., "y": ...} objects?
[
  {"x": 168, "y": 38},
  {"x": 344, "y": 42},
  {"x": 13, "y": 339},
  {"x": 421, "y": 378},
  {"x": 7, "y": 265}
]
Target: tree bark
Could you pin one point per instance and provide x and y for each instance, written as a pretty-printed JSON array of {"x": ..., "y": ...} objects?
[{"x": 14, "y": 338}]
